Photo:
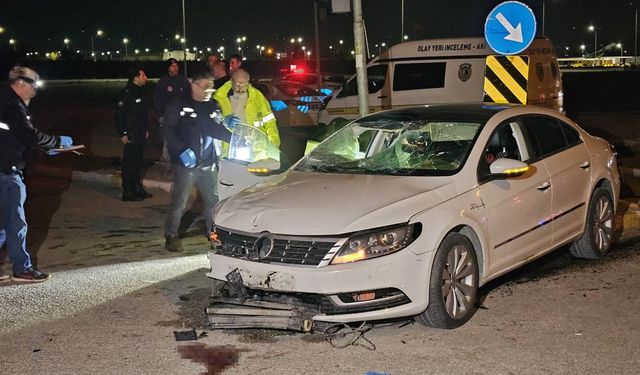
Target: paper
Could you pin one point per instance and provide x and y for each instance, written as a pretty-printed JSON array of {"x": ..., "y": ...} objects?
[{"x": 72, "y": 148}]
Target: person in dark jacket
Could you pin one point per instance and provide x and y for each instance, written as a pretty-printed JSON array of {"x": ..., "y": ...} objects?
[
  {"x": 169, "y": 86},
  {"x": 193, "y": 130},
  {"x": 132, "y": 125},
  {"x": 17, "y": 138}
]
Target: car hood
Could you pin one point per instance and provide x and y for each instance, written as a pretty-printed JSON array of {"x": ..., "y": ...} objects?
[{"x": 307, "y": 203}]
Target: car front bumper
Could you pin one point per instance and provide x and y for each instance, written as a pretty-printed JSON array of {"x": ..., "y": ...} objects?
[{"x": 404, "y": 271}]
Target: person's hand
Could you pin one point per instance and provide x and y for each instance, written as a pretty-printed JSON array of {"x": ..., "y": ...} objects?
[
  {"x": 231, "y": 122},
  {"x": 53, "y": 153},
  {"x": 188, "y": 158},
  {"x": 124, "y": 139},
  {"x": 66, "y": 141}
]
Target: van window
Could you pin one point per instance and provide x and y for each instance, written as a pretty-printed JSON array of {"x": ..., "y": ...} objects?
[
  {"x": 376, "y": 75},
  {"x": 418, "y": 76}
]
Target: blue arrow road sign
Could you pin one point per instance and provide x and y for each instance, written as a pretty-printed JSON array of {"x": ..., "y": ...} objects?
[{"x": 510, "y": 28}]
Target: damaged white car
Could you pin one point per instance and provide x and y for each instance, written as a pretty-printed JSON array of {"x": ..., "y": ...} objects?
[{"x": 407, "y": 213}]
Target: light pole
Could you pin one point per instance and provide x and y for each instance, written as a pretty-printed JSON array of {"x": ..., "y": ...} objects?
[
  {"x": 184, "y": 44},
  {"x": 125, "y": 41},
  {"x": 619, "y": 45},
  {"x": 582, "y": 47},
  {"x": 98, "y": 33},
  {"x": 595, "y": 39},
  {"x": 13, "y": 42},
  {"x": 66, "y": 43},
  {"x": 402, "y": 21}
]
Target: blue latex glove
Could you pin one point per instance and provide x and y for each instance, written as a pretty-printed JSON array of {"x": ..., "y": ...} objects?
[
  {"x": 53, "y": 153},
  {"x": 188, "y": 158},
  {"x": 231, "y": 122},
  {"x": 65, "y": 141}
]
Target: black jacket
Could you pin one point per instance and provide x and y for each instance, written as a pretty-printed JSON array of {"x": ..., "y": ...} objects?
[
  {"x": 167, "y": 88},
  {"x": 17, "y": 134},
  {"x": 189, "y": 124},
  {"x": 132, "y": 112}
]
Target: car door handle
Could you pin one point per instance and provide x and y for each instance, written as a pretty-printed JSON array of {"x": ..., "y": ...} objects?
[
  {"x": 225, "y": 183},
  {"x": 544, "y": 186},
  {"x": 585, "y": 165}
]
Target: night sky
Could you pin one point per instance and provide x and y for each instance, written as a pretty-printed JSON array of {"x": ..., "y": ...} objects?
[{"x": 43, "y": 24}]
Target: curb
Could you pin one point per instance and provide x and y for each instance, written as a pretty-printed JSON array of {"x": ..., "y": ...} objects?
[{"x": 109, "y": 179}]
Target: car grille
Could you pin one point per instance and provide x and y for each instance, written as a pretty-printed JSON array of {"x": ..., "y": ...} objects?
[{"x": 286, "y": 249}]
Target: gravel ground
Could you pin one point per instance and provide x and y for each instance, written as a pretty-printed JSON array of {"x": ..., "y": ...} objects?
[{"x": 70, "y": 292}]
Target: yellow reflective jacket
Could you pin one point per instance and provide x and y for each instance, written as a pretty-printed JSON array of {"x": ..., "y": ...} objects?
[{"x": 257, "y": 111}]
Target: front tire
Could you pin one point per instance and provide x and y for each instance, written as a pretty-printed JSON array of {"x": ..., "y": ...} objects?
[
  {"x": 453, "y": 284},
  {"x": 598, "y": 230}
]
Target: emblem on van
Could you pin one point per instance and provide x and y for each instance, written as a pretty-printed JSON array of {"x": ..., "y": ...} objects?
[
  {"x": 539, "y": 72},
  {"x": 464, "y": 72}
]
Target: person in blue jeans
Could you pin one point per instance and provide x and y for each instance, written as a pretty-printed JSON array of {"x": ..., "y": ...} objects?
[
  {"x": 17, "y": 138},
  {"x": 193, "y": 128}
]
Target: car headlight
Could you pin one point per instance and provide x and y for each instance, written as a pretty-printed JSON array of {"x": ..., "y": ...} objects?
[{"x": 375, "y": 243}]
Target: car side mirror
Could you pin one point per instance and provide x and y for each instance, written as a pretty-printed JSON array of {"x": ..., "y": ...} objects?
[
  {"x": 264, "y": 167},
  {"x": 508, "y": 168}
]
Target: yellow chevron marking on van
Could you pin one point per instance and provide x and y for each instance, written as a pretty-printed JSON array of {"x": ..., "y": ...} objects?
[
  {"x": 519, "y": 63},
  {"x": 507, "y": 79},
  {"x": 493, "y": 93}
]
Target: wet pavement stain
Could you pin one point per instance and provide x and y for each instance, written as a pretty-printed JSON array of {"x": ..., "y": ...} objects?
[{"x": 215, "y": 358}]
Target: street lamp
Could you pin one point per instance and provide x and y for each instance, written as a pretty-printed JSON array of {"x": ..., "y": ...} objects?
[
  {"x": 126, "y": 50},
  {"x": 582, "y": 47},
  {"x": 13, "y": 43},
  {"x": 66, "y": 43},
  {"x": 1, "y": 29},
  {"x": 595, "y": 39},
  {"x": 619, "y": 45},
  {"x": 98, "y": 33}
]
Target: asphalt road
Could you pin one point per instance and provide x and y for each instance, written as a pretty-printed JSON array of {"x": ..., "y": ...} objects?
[{"x": 116, "y": 297}]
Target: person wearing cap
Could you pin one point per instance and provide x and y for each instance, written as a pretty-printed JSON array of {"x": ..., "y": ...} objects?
[
  {"x": 241, "y": 102},
  {"x": 132, "y": 124},
  {"x": 193, "y": 129},
  {"x": 18, "y": 136},
  {"x": 169, "y": 86}
]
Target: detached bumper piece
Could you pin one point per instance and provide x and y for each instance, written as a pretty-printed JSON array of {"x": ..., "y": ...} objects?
[{"x": 231, "y": 313}]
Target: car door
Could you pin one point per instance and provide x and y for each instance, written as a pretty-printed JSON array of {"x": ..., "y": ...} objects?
[
  {"x": 517, "y": 208},
  {"x": 569, "y": 164},
  {"x": 248, "y": 144}
]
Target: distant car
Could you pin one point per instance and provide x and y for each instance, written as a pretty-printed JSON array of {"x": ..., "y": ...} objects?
[
  {"x": 408, "y": 212},
  {"x": 328, "y": 82},
  {"x": 293, "y": 103}
]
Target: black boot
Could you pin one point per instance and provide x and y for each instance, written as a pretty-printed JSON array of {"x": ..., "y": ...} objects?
[
  {"x": 140, "y": 191},
  {"x": 131, "y": 195}
]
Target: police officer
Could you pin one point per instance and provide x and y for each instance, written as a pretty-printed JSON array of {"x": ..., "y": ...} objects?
[
  {"x": 17, "y": 138},
  {"x": 193, "y": 127},
  {"x": 132, "y": 125}
]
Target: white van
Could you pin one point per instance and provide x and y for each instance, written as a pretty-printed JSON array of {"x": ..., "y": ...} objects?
[{"x": 442, "y": 71}]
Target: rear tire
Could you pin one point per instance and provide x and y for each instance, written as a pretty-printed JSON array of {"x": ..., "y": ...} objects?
[
  {"x": 453, "y": 284},
  {"x": 598, "y": 230}
]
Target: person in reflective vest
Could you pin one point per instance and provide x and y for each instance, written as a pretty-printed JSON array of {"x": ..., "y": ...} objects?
[{"x": 239, "y": 101}]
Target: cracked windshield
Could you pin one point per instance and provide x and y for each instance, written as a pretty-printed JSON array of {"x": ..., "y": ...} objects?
[{"x": 388, "y": 146}]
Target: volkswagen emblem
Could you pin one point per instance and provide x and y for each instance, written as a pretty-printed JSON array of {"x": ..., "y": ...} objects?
[{"x": 262, "y": 247}]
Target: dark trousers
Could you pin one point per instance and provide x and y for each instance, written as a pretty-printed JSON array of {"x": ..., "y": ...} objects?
[{"x": 132, "y": 164}]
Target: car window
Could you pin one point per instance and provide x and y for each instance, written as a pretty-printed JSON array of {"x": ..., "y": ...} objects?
[
  {"x": 572, "y": 135},
  {"x": 547, "y": 135},
  {"x": 506, "y": 141},
  {"x": 418, "y": 76},
  {"x": 376, "y": 75}
]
